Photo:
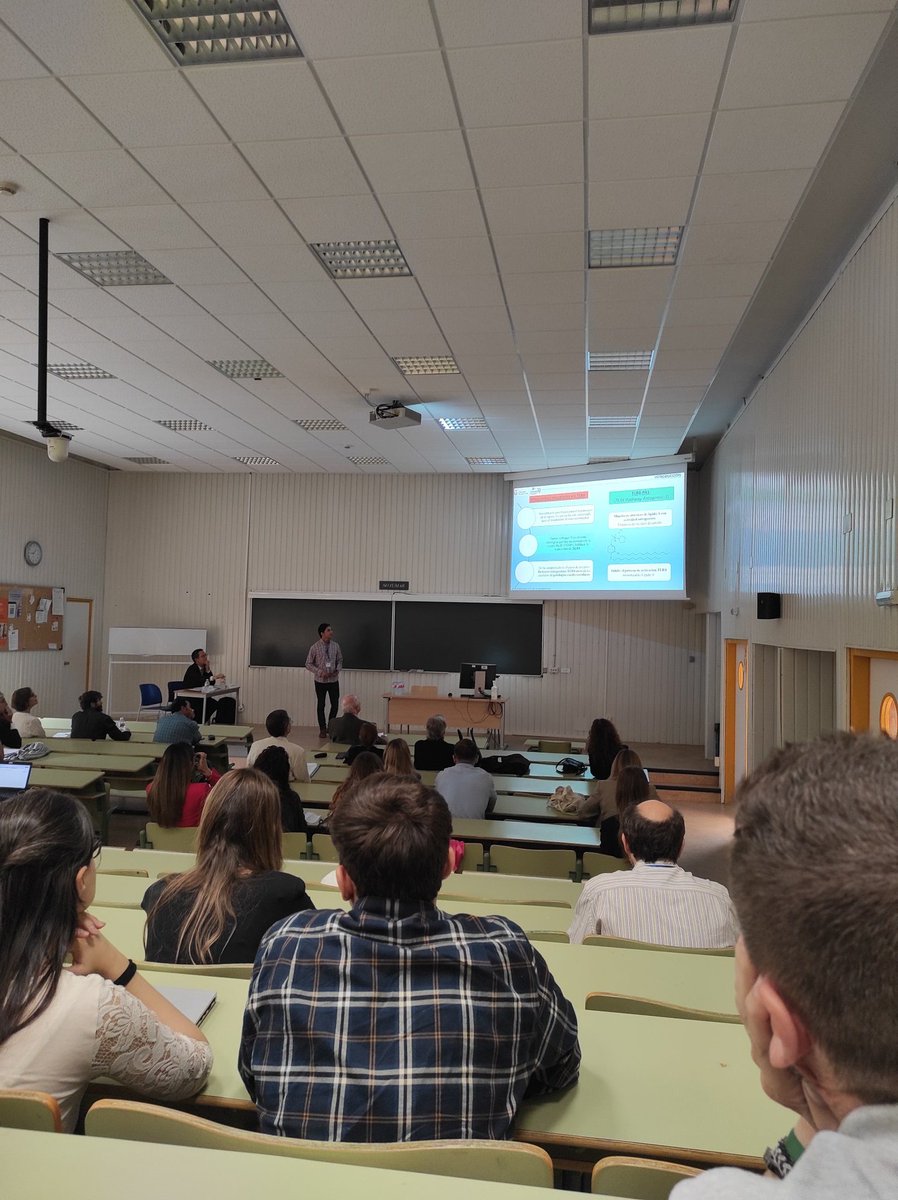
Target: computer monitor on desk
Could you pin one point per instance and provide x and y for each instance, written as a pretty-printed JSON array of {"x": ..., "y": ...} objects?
[{"x": 477, "y": 676}]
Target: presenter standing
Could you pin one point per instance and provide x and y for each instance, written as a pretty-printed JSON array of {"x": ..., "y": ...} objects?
[{"x": 324, "y": 661}]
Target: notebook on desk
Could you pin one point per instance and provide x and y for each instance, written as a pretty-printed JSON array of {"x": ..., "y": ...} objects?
[
  {"x": 194, "y": 1003},
  {"x": 14, "y": 778},
  {"x": 313, "y": 769}
]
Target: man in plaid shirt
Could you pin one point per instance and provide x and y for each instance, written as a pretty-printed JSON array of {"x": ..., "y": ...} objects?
[{"x": 395, "y": 1021}]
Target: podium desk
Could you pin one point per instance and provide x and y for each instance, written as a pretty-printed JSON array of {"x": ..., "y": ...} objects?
[
  {"x": 461, "y": 712},
  {"x": 206, "y": 694}
]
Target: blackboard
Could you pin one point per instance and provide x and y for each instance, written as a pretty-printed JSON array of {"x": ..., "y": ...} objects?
[
  {"x": 439, "y": 636},
  {"x": 283, "y": 628}
]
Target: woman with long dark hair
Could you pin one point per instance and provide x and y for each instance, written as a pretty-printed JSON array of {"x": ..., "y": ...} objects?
[
  {"x": 601, "y": 803},
  {"x": 218, "y": 911},
  {"x": 61, "y": 1028},
  {"x": 632, "y": 788},
  {"x": 602, "y": 745},
  {"x": 275, "y": 763},
  {"x": 180, "y": 787}
]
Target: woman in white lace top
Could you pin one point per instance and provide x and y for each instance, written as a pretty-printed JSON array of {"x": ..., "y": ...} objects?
[{"x": 62, "y": 1027}]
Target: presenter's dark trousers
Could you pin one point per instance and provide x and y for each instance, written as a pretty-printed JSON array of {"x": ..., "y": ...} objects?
[{"x": 323, "y": 691}]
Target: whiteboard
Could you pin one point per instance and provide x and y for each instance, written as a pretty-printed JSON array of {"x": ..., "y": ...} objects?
[{"x": 179, "y": 643}]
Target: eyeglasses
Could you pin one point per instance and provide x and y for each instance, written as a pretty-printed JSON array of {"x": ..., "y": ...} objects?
[{"x": 96, "y": 847}]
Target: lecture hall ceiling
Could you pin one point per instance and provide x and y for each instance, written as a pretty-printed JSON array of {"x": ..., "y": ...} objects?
[{"x": 487, "y": 139}]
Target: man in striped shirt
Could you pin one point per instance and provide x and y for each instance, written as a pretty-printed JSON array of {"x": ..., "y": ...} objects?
[
  {"x": 395, "y": 1021},
  {"x": 657, "y": 901}
]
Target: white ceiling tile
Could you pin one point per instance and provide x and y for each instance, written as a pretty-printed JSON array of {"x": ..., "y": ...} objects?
[
  {"x": 477, "y": 345},
  {"x": 473, "y": 23},
  {"x": 434, "y": 214},
  {"x": 154, "y": 227},
  {"x": 555, "y": 381},
  {"x": 339, "y": 28},
  {"x": 720, "y": 309},
  {"x": 254, "y": 329},
  {"x": 86, "y": 37},
  {"x": 335, "y": 347},
  {"x": 415, "y": 162},
  {"x": 679, "y": 398},
  {"x": 309, "y": 167},
  {"x": 443, "y": 257},
  {"x": 749, "y": 196},
  {"x": 337, "y": 218},
  {"x": 800, "y": 62},
  {"x": 647, "y": 147},
  {"x": 97, "y": 177},
  {"x": 708, "y": 282},
  {"x": 773, "y": 10},
  {"x": 409, "y": 322},
  {"x": 197, "y": 266},
  {"x": 277, "y": 262},
  {"x": 620, "y": 283},
  {"x": 698, "y": 337},
  {"x": 541, "y": 252},
  {"x": 236, "y": 298},
  {"x": 546, "y": 342},
  {"x": 528, "y": 155},
  {"x": 15, "y": 61},
  {"x": 40, "y": 117},
  {"x": 15, "y": 241},
  {"x": 272, "y": 99},
  {"x": 720, "y": 245},
  {"x": 548, "y": 316},
  {"x": 605, "y": 338},
  {"x": 149, "y": 108},
  {"x": 72, "y": 229},
  {"x": 200, "y": 174},
  {"x": 656, "y": 72},
  {"x": 36, "y": 194},
  {"x": 639, "y": 204},
  {"x": 685, "y": 360},
  {"x": 472, "y": 320},
  {"x": 373, "y": 294},
  {"x": 366, "y": 99},
  {"x": 521, "y": 84},
  {"x": 243, "y": 223},
  {"x": 770, "y": 139},
  {"x": 608, "y": 383},
  {"x": 471, "y": 291},
  {"x": 677, "y": 377},
  {"x": 526, "y": 210},
  {"x": 308, "y": 295},
  {"x": 547, "y": 287},
  {"x": 572, "y": 396}
]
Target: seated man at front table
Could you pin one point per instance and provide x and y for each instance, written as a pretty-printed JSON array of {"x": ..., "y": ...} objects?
[
  {"x": 395, "y": 1021},
  {"x": 279, "y": 725},
  {"x": 179, "y": 725},
  {"x": 814, "y": 880},
  {"x": 657, "y": 901},
  {"x": 467, "y": 789},
  {"x": 199, "y": 674},
  {"x": 433, "y": 753},
  {"x": 91, "y": 722}
]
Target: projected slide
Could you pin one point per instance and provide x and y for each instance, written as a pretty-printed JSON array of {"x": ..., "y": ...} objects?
[{"x": 621, "y": 536}]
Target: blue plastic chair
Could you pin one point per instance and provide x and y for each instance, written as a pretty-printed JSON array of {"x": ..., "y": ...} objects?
[{"x": 150, "y": 699}]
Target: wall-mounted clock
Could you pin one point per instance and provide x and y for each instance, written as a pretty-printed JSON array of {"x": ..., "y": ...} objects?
[{"x": 33, "y": 553}]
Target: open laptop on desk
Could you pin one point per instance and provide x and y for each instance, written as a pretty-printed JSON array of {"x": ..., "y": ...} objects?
[{"x": 13, "y": 779}]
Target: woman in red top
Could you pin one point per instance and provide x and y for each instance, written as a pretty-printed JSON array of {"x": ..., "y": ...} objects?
[{"x": 179, "y": 789}]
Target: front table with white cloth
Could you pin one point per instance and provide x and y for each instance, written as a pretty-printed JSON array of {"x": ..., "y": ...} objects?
[{"x": 214, "y": 693}]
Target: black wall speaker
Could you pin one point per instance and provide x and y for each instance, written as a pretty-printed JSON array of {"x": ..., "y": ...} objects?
[{"x": 769, "y": 606}]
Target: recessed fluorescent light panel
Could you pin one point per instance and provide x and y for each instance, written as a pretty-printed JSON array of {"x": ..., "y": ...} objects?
[
  {"x": 62, "y": 426},
  {"x": 113, "y": 268},
  {"x": 428, "y": 364},
  {"x": 257, "y": 460},
  {"x": 320, "y": 425},
  {"x": 487, "y": 462},
  {"x": 362, "y": 260},
  {"x": 625, "y": 360},
  {"x": 77, "y": 371},
  {"x": 245, "y": 368},
  {"x": 616, "y": 16},
  {"x": 149, "y": 462},
  {"x": 186, "y": 426},
  {"x": 203, "y": 32},
  {"x": 369, "y": 460},
  {"x": 611, "y": 422},
  {"x": 652, "y": 247},
  {"x": 462, "y": 424}
]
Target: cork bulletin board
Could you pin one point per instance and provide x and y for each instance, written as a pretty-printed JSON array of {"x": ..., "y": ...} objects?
[{"x": 31, "y": 617}]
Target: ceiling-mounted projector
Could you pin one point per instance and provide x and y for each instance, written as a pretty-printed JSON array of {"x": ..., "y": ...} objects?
[{"x": 394, "y": 415}]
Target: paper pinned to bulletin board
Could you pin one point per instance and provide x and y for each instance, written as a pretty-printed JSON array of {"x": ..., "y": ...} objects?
[{"x": 31, "y": 617}]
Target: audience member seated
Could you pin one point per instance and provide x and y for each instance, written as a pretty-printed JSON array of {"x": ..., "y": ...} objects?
[
  {"x": 59, "y": 1029},
  {"x": 279, "y": 726},
  {"x": 199, "y": 675},
  {"x": 179, "y": 725},
  {"x": 398, "y": 759},
  {"x": 433, "y": 753},
  {"x": 395, "y": 1021},
  {"x": 601, "y": 803},
  {"x": 274, "y": 763},
  {"x": 8, "y": 736},
  {"x": 218, "y": 911},
  {"x": 814, "y": 880},
  {"x": 631, "y": 787},
  {"x": 179, "y": 789},
  {"x": 364, "y": 765},
  {"x": 603, "y": 744},
  {"x": 657, "y": 901},
  {"x": 91, "y": 722},
  {"x": 366, "y": 742},
  {"x": 467, "y": 789},
  {"x": 345, "y": 728},
  {"x": 24, "y": 701}
]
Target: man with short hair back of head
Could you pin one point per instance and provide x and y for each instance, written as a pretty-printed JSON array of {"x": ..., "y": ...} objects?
[
  {"x": 657, "y": 901},
  {"x": 814, "y": 878},
  {"x": 395, "y": 1021},
  {"x": 467, "y": 789},
  {"x": 433, "y": 753},
  {"x": 278, "y": 726},
  {"x": 179, "y": 724},
  {"x": 345, "y": 728}
]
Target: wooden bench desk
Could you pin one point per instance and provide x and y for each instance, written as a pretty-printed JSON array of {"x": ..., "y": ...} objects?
[{"x": 109, "y": 764}]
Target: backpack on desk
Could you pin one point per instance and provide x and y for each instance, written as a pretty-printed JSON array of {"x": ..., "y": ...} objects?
[{"x": 506, "y": 764}]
